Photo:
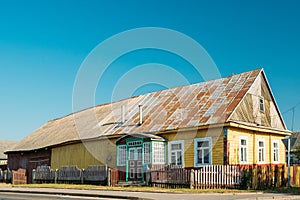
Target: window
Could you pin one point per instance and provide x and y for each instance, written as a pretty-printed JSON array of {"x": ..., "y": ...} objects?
[
  {"x": 261, "y": 104},
  {"x": 275, "y": 151},
  {"x": 121, "y": 152},
  {"x": 134, "y": 143},
  {"x": 158, "y": 153},
  {"x": 261, "y": 151},
  {"x": 202, "y": 151},
  {"x": 243, "y": 150},
  {"x": 147, "y": 153},
  {"x": 176, "y": 153}
]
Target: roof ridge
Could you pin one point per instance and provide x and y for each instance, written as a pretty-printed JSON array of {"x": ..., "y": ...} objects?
[{"x": 168, "y": 89}]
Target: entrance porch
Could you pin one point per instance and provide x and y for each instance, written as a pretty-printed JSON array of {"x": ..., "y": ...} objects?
[{"x": 136, "y": 153}]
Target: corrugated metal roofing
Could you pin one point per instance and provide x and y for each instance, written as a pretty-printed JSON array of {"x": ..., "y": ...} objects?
[{"x": 193, "y": 105}]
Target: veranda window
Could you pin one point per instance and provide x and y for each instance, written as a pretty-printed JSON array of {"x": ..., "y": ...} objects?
[
  {"x": 121, "y": 161},
  {"x": 158, "y": 152},
  {"x": 176, "y": 153}
]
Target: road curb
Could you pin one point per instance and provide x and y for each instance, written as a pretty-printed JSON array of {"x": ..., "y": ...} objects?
[{"x": 75, "y": 194}]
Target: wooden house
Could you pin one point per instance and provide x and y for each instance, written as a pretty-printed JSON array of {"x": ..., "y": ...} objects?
[
  {"x": 231, "y": 120},
  {"x": 4, "y": 146},
  {"x": 295, "y": 149}
]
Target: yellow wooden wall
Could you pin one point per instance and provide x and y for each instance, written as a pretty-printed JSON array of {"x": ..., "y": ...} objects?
[
  {"x": 90, "y": 153},
  {"x": 234, "y": 135},
  {"x": 188, "y": 136},
  {"x": 104, "y": 151}
]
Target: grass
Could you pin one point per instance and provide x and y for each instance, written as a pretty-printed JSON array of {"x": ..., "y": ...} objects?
[
  {"x": 131, "y": 188},
  {"x": 292, "y": 190}
]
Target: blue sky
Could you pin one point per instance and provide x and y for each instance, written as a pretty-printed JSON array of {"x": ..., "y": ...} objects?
[{"x": 43, "y": 43}]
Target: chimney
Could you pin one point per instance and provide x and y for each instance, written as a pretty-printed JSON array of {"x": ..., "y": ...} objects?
[
  {"x": 122, "y": 114},
  {"x": 141, "y": 114}
]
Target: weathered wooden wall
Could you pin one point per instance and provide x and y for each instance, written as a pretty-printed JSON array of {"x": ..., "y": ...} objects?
[
  {"x": 248, "y": 110},
  {"x": 29, "y": 161},
  {"x": 100, "y": 152},
  {"x": 234, "y": 135}
]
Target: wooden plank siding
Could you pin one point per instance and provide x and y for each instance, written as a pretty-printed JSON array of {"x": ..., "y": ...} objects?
[
  {"x": 234, "y": 135},
  {"x": 248, "y": 110},
  {"x": 103, "y": 152},
  {"x": 188, "y": 136}
]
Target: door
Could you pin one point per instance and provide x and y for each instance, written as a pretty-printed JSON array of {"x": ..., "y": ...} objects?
[{"x": 135, "y": 164}]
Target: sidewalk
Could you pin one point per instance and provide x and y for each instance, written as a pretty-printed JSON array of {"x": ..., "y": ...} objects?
[{"x": 147, "y": 195}]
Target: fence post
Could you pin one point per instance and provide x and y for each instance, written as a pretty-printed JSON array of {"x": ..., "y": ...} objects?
[
  {"x": 33, "y": 176},
  {"x": 108, "y": 177},
  {"x": 55, "y": 176},
  {"x": 81, "y": 176},
  {"x": 192, "y": 179}
]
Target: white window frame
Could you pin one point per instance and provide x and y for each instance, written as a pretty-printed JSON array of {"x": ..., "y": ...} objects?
[
  {"x": 196, "y": 140},
  {"x": 158, "y": 153},
  {"x": 273, "y": 151},
  {"x": 244, "y": 147},
  {"x": 181, "y": 142},
  {"x": 264, "y": 151},
  {"x": 119, "y": 155},
  {"x": 261, "y": 104}
]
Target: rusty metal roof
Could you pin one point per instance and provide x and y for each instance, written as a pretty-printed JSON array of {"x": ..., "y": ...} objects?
[{"x": 194, "y": 105}]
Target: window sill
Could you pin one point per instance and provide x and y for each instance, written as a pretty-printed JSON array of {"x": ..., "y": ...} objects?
[{"x": 202, "y": 165}]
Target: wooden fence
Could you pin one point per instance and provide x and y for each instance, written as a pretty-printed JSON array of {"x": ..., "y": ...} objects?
[
  {"x": 215, "y": 176},
  {"x": 223, "y": 176},
  {"x": 5, "y": 176},
  {"x": 295, "y": 174},
  {"x": 169, "y": 177},
  {"x": 19, "y": 177},
  {"x": 113, "y": 177},
  {"x": 211, "y": 176},
  {"x": 71, "y": 174}
]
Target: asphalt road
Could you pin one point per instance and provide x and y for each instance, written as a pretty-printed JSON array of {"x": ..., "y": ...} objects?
[
  {"x": 28, "y": 196},
  {"x": 22, "y": 193}
]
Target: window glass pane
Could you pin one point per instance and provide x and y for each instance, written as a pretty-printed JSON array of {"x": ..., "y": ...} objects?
[
  {"x": 243, "y": 142},
  {"x": 131, "y": 154},
  {"x": 199, "y": 157},
  {"x": 147, "y": 153},
  {"x": 261, "y": 144},
  {"x": 139, "y": 152},
  {"x": 175, "y": 146},
  {"x": 179, "y": 161},
  {"x": 203, "y": 144},
  {"x": 261, "y": 104},
  {"x": 242, "y": 154},
  {"x": 206, "y": 156}
]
